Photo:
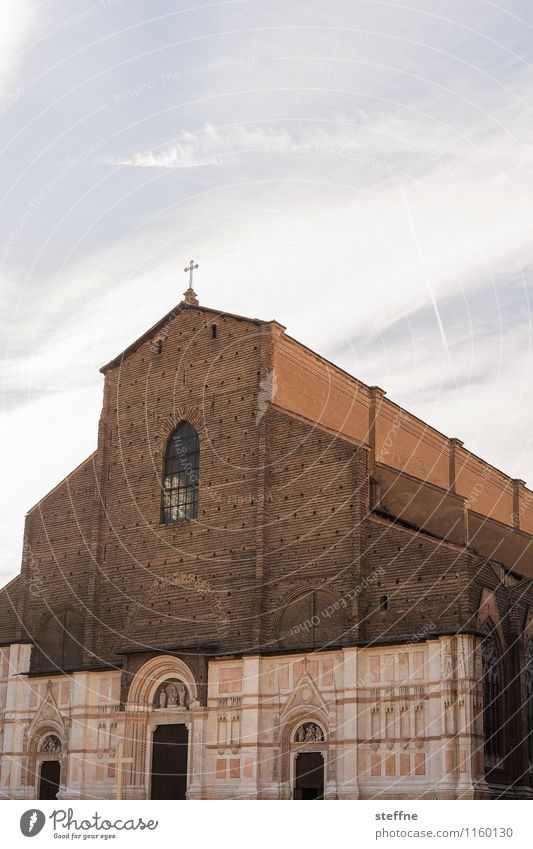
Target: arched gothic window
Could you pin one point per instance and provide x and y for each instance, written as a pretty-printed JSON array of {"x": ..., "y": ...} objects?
[
  {"x": 492, "y": 697},
  {"x": 182, "y": 461},
  {"x": 529, "y": 696}
]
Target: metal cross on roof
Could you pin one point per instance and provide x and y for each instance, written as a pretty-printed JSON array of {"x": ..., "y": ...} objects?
[
  {"x": 190, "y": 268},
  {"x": 189, "y": 296}
]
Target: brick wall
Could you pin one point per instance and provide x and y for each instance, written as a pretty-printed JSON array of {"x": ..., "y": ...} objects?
[
  {"x": 417, "y": 583},
  {"x": 190, "y": 583},
  {"x": 312, "y": 519},
  {"x": 57, "y": 557}
]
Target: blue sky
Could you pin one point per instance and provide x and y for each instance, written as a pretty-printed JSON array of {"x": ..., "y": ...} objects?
[{"x": 360, "y": 171}]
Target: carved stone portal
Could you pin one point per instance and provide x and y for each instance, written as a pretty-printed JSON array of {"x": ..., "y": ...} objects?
[{"x": 172, "y": 695}]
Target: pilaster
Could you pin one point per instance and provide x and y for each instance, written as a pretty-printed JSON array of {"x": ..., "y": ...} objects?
[
  {"x": 198, "y": 730},
  {"x": 249, "y": 785},
  {"x": 347, "y": 750},
  {"x": 376, "y": 399}
]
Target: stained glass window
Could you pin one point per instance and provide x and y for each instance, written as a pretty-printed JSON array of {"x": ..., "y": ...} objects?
[
  {"x": 492, "y": 697},
  {"x": 182, "y": 461},
  {"x": 529, "y": 695}
]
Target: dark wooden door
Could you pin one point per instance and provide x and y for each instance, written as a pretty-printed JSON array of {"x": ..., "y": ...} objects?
[
  {"x": 49, "y": 779},
  {"x": 169, "y": 762},
  {"x": 309, "y": 778}
]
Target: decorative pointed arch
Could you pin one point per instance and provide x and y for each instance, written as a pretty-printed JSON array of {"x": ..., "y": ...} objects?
[
  {"x": 306, "y": 697},
  {"x": 305, "y": 708},
  {"x": 166, "y": 427},
  {"x": 48, "y": 722},
  {"x": 488, "y": 612}
]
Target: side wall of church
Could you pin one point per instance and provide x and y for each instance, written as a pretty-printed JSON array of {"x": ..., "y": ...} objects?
[
  {"x": 308, "y": 385},
  {"x": 10, "y": 605},
  {"x": 316, "y": 486},
  {"x": 416, "y": 585},
  {"x": 57, "y": 562}
]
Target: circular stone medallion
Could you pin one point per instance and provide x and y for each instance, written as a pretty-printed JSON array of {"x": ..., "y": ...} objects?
[{"x": 306, "y": 694}]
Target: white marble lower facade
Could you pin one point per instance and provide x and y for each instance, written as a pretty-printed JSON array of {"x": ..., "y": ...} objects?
[{"x": 397, "y": 721}]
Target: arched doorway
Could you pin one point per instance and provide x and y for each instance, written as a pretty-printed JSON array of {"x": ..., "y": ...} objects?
[
  {"x": 170, "y": 740},
  {"x": 309, "y": 776},
  {"x": 169, "y": 762},
  {"x": 159, "y": 735},
  {"x": 49, "y": 779},
  {"x": 307, "y": 755},
  {"x": 49, "y": 767}
]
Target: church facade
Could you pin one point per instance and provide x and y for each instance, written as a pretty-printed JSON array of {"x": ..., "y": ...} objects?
[{"x": 268, "y": 581}]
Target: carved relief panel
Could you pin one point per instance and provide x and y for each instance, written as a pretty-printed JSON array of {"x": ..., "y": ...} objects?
[
  {"x": 171, "y": 695},
  {"x": 229, "y": 724}
]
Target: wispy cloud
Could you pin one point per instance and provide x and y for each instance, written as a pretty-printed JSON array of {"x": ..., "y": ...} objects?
[
  {"x": 18, "y": 18},
  {"x": 224, "y": 145}
]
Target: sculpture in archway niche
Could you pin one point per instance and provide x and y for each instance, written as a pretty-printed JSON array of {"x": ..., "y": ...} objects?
[
  {"x": 172, "y": 694},
  {"x": 51, "y": 743},
  {"x": 310, "y": 732}
]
